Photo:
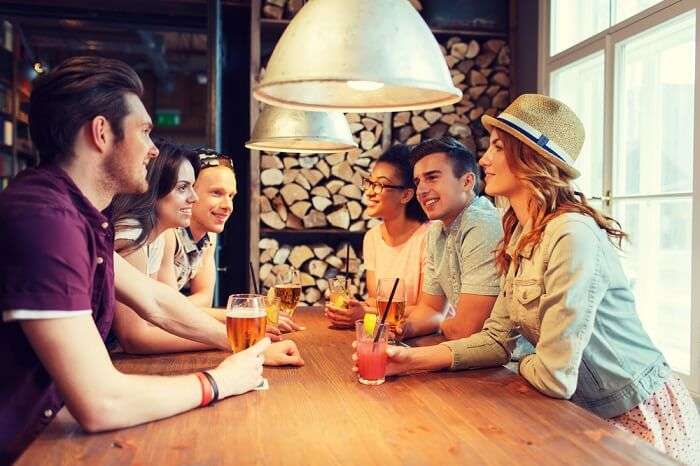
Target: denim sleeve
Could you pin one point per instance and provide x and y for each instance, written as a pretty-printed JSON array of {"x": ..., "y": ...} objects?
[
  {"x": 576, "y": 283},
  {"x": 431, "y": 284},
  {"x": 478, "y": 265},
  {"x": 492, "y": 346}
]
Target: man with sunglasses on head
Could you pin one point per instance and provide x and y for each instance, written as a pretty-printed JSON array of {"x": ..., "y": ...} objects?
[
  {"x": 460, "y": 282},
  {"x": 194, "y": 262}
]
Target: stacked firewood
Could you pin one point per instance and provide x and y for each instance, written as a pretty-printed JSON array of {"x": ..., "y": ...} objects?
[
  {"x": 481, "y": 71},
  {"x": 317, "y": 264},
  {"x": 321, "y": 191},
  {"x": 278, "y": 9}
]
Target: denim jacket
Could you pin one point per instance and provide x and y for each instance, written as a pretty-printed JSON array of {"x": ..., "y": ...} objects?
[{"x": 570, "y": 298}]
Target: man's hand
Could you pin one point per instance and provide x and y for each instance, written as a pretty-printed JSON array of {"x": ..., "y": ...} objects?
[
  {"x": 241, "y": 372},
  {"x": 283, "y": 353},
  {"x": 345, "y": 318}
]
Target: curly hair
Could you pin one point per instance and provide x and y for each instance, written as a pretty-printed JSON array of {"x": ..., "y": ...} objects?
[{"x": 553, "y": 194}]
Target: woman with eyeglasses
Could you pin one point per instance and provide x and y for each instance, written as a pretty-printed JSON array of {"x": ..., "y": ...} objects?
[{"x": 395, "y": 247}]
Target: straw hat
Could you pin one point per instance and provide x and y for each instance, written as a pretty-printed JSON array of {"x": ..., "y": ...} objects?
[{"x": 546, "y": 125}]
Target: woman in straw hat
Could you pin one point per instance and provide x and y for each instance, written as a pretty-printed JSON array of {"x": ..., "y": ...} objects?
[{"x": 563, "y": 288}]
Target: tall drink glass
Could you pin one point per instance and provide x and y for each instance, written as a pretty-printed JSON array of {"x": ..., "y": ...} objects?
[
  {"x": 398, "y": 304},
  {"x": 371, "y": 356},
  {"x": 246, "y": 319},
  {"x": 288, "y": 290},
  {"x": 339, "y": 296}
]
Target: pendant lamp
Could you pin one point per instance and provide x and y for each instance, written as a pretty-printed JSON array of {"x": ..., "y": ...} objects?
[
  {"x": 287, "y": 130},
  {"x": 357, "y": 56}
]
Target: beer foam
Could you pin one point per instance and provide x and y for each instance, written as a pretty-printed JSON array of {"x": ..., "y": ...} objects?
[
  {"x": 288, "y": 285},
  {"x": 245, "y": 312}
]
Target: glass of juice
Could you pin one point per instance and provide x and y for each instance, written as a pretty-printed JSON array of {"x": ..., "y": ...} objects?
[
  {"x": 339, "y": 296},
  {"x": 398, "y": 304},
  {"x": 288, "y": 290},
  {"x": 246, "y": 318},
  {"x": 371, "y": 356}
]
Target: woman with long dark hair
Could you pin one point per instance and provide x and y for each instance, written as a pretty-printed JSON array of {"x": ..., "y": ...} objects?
[
  {"x": 396, "y": 246},
  {"x": 563, "y": 288},
  {"x": 144, "y": 226}
]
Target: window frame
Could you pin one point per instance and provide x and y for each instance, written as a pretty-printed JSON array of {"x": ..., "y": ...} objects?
[{"x": 606, "y": 41}]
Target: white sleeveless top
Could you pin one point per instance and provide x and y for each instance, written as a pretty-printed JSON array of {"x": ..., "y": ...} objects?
[{"x": 130, "y": 229}]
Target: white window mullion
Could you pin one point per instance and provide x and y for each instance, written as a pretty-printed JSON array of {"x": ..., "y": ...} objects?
[{"x": 609, "y": 120}]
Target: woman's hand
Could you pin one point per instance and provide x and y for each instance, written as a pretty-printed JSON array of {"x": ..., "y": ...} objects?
[
  {"x": 285, "y": 324},
  {"x": 241, "y": 372},
  {"x": 345, "y": 318},
  {"x": 284, "y": 353},
  {"x": 398, "y": 359}
]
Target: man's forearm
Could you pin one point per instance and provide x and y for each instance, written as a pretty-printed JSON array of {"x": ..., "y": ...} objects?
[
  {"x": 177, "y": 315},
  {"x": 423, "y": 320}
]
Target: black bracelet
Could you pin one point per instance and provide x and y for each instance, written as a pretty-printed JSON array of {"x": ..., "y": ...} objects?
[{"x": 214, "y": 387}]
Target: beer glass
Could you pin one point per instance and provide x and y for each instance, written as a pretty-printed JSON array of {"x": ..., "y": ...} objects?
[
  {"x": 246, "y": 318},
  {"x": 288, "y": 290},
  {"x": 339, "y": 296},
  {"x": 398, "y": 304},
  {"x": 272, "y": 306},
  {"x": 371, "y": 355}
]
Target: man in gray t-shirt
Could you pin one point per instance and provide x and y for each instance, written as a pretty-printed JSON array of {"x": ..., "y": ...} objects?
[{"x": 460, "y": 270}]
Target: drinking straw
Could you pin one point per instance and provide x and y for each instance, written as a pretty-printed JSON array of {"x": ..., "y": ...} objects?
[
  {"x": 386, "y": 311},
  {"x": 347, "y": 264},
  {"x": 255, "y": 280}
]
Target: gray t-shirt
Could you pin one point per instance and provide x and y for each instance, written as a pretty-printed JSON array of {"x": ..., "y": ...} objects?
[{"x": 460, "y": 258}]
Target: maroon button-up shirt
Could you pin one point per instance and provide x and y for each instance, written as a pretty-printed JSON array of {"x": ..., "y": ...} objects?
[{"x": 56, "y": 254}]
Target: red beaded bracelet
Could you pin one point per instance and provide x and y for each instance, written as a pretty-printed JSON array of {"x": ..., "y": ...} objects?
[{"x": 207, "y": 391}]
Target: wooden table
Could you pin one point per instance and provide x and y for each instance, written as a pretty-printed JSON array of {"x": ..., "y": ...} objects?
[{"x": 320, "y": 414}]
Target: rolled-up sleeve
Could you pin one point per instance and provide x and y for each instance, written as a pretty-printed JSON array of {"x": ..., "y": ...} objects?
[
  {"x": 492, "y": 346},
  {"x": 479, "y": 275},
  {"x": 431, "y": 284},
  {"x": 576, "y": 283}
]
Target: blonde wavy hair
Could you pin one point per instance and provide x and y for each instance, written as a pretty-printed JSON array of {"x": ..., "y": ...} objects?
[{"x": 553, "y": 194}]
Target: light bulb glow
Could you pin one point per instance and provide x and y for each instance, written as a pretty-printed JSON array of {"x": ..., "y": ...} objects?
[{"x": 365, "y": 85}]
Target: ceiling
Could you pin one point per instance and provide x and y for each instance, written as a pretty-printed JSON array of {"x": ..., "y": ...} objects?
[{"x": 165, "y": 36}]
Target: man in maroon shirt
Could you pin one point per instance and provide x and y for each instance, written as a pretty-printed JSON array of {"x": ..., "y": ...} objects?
[{"x": 59, "y": 274}]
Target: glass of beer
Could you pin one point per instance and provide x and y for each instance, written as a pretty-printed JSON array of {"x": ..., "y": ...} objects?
[
  {"x": 246, "y": 318},
  {"x": 288, "y": 290},
  {"x": 339, "y": 296},
  {"x": 371, "y": 355},
  {"x": 398, "y": 304},
  {"x": 272, "y": 306}
]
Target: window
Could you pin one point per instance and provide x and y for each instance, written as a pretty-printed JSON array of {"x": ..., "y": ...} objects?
[
  {"x": 580, "y": 86},
  {"x": 623, "y": 9},
  {"x": 653, "y": 157},
  {"x": 576, "y": 20},
  {"x": 573, "y": 21},
  {"x": 633, "y": 86}
]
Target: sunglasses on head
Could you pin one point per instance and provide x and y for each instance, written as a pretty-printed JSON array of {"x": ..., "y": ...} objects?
[{"x": 214, "y": 159}]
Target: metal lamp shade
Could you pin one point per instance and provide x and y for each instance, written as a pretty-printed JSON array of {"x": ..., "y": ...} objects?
[
  {"x": 357, "y": 56},
  {"x": 287, "y": 130}
]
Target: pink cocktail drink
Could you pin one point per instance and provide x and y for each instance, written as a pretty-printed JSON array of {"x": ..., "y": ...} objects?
[
  {"x": 371, "y": 362},
  {"x": 371, "y": 352}
]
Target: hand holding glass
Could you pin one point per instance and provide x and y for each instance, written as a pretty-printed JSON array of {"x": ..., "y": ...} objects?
[
  {"x": 246, "y": 319},
  {"x": 371, "y": 356}
]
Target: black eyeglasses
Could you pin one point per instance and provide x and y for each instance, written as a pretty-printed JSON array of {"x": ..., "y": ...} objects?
[
  {"x": 376, "y": 187},
  {"x": 214, "y": 159}
]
